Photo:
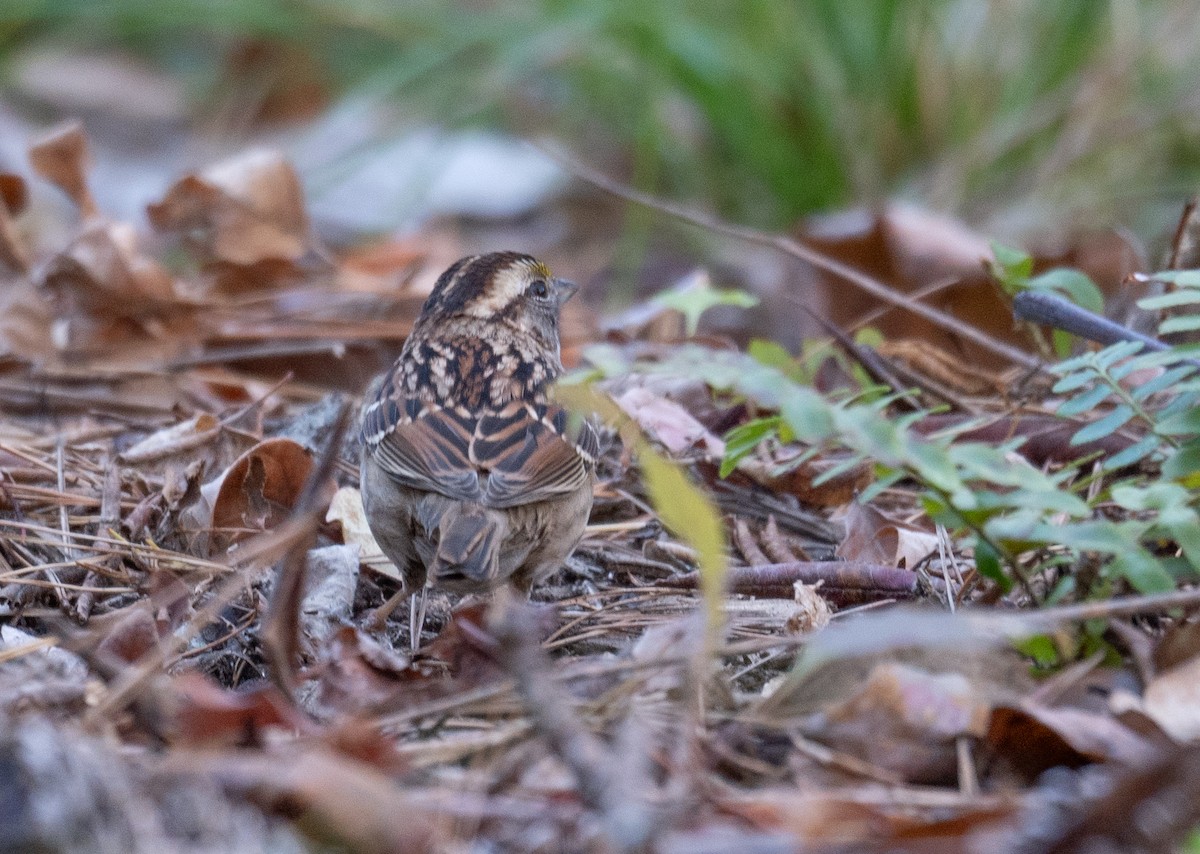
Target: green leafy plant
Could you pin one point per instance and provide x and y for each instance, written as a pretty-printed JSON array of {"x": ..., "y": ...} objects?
[{"x": 1141, "y": 528}]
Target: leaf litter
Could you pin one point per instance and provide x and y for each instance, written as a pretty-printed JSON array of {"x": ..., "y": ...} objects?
[{"x": 187, "y": 619}]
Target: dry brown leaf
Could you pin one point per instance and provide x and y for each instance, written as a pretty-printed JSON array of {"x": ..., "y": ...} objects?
[
  {"x": 242, "y": 211},
  {"x": 863, "y": 819},
  {"x": 1180, "y": 644},
  {"x": 131, "y": 636},
  {"x": 102, "y": 273},
  {"x": 774, "y": 466},
  {"x": 196, "y": 431},
  {"x": 906, "y": 720},
  {"x": 358, "y": 807},
  {"x": 258, "y": 490},
  {"x": 1032, "y": 738},
  {"x": 61, "y": 157},
  {"x": 357, "y": 673},
  {"x": 668, "y": 423},
  {"x": 1172, "y": 699},
  {"x": 873, "y": 537},
  {"x": 14, "y": 255},
  {"x": 812, "y": 611},
  {"x": 204, "y": 713}
]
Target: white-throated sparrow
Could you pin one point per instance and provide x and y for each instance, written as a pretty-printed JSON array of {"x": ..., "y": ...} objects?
[{"x": 470, "y": 476}]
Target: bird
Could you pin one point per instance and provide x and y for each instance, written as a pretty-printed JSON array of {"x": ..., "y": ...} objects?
[{"x": 471, "y": 475}]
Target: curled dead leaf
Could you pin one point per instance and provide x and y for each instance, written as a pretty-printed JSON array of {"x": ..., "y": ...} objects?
[
  {"x": 61, "y": 157},
  {"x": 242, "y": 211},
  {"x": 259, "y": 490},
  {"x": 873, "y": 537},
  {"x": 14, "y": 195},
  {"x": 102, "y": 273},
  {"x": 204, "y": 713},
  {"x": 13, "y": 254},
  {"x": 1032, "y": 738}
]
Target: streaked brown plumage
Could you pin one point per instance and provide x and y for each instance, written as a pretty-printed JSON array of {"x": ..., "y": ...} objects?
[{"x": 470, "y": 476}]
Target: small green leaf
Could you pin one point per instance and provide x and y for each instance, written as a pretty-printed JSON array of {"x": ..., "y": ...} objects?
[
  {"x": 1106, "y": 426},
  {"x": 1041, "y": 648},
  {"x": 1183, "y": 296},
  {"x": 1142, "y": 571},
  {"x": 695, "y": 299},
  {"x": 742, "y": 440},
  {"x": 1185, "y": 423},
  {"x": 1011, "y": 267},
  {"x": 771, "y": 354},
  {"x": 1182, "y": 278},
  {"x": 1073, "y": 381},
  {"x": 1116, "y": 352},
  {"x": 1064, "y": 343},
  {"x": 806, "y": 413},
  {"x": 987, "y": 561},
  {"x": 1163, "y": 381},
  {"x": 1185, "y": 323},
  {"x": 1184, "y": 465},
  {"x": 1133, "y": 454},
  {"x": 1085, "y": 402},
  {"x": 1073, "y": 283}
]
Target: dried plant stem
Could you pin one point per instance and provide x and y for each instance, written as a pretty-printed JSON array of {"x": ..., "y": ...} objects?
[{"x": 798, "y": 250}]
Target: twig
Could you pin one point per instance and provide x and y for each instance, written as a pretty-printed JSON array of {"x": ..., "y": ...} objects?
[
  {"x": 280, "y": 630},
  {"x": 842, "y": 581},
  {"x": 110, "y": 519},
  {"x": 1053, "y": 310},
  {"x": 798, "y": 250}
]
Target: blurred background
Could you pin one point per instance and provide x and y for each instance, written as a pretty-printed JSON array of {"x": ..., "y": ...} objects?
[{"x": 900, "y": 136}]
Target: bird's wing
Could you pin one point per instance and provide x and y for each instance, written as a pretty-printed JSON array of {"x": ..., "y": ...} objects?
[
  {"x": 423, "y": 446},
  {"x": 532, "y": 453}
]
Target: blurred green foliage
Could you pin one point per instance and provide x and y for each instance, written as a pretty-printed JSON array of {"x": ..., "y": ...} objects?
[{"x": 1010, "y": 114}]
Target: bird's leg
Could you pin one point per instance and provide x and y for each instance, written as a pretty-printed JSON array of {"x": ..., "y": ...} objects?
[{"x": 416, "y": 617}]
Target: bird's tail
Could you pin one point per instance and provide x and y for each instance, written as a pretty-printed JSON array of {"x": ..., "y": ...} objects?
[{"x": 468, "y": 548}]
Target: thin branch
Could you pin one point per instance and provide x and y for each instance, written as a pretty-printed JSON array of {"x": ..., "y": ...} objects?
[{"x": 796, "y": 249}]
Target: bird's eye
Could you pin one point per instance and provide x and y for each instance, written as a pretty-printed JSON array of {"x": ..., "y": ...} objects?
[{"x": 538, "y": 289}]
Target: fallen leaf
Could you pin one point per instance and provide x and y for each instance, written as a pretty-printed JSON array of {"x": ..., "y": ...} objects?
[
  {"x": 102, "y": 273},
  {"x": 905, "y": 720},
  {"x": 1172, "y": 700},
  {"x": 258, "y": 490},
  {"x": 61, "y": 157},
  {"x": 668, "y": 423},
  {"x": 242, "y": 211},
  {"x": 14, "y": 193},
  {"x": 873, "y": 537},
  {"x": 196, "y": 431},
  {"x": 14, "y": 254},
  {"x": 1032, "y": 738},
  {"x": 204, "y": 713}
]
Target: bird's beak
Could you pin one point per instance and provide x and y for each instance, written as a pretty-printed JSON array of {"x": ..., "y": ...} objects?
[{"x": 564, "y": 290}]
